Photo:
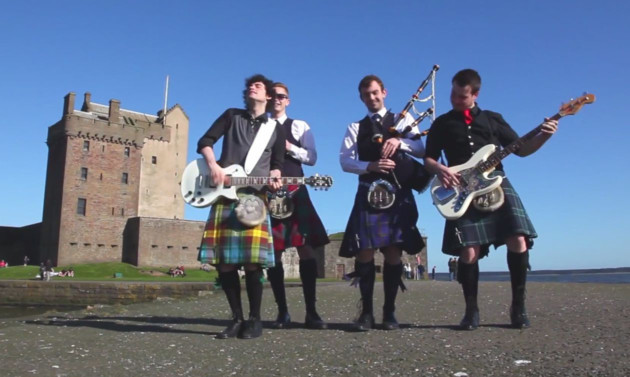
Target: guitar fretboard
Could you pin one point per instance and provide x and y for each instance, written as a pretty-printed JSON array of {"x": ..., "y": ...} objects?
[
  {"x": 495, "y": 158},
  {"x": 260, "y": 181}
]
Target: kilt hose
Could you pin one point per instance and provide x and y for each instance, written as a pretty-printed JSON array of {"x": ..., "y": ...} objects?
[
  {"x": 225, "y": 240},
  {"x": 370, "y": 228},
  {"x": 489, "y": 228},
  {"x": 303, "y": 227}
]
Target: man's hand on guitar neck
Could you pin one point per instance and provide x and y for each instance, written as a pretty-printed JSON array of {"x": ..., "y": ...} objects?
[
  {"x": 547, "y": 128},
  {"x": 275, "y": 184}
]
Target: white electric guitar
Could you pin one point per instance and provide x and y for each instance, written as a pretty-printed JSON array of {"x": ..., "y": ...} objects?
[
  {"x": 453, "y": 202},
  {"x": 199, "y": 191}
]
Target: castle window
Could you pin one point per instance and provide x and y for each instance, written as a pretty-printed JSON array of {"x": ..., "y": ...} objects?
[
  {"x": 125, "y": 178},
  {"x": 84, "y": 172},
  {"x": 154, "y": 160},
  {"x": 122, "y": 212},
  {"x": 126, "y": 151},
  {"x": 101, "y": 176},
  {"x": 103, "y": 149},
  {"x": 86, "y": 146},
  {"x": 81, "y": 206}
]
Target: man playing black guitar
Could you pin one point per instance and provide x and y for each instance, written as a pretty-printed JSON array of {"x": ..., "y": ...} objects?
[
  {"x": 386, "y": 221},
  {"x": 460, "y": 133}
]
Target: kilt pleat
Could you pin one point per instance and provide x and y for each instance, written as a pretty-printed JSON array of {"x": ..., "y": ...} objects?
[
  {"x": 489, "y": 228},
  {"x": 303, "y": 227},
  {"x": 370, "y": 228},
  {"x": 227, "y": 241}
]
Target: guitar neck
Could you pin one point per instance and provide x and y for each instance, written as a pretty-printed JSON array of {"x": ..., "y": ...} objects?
[
  {"x": 495, "y": 158},
  {"x": 261, "y": 181}
]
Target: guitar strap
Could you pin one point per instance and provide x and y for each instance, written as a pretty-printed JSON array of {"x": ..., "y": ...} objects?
[{"x": 258, "y": 146}]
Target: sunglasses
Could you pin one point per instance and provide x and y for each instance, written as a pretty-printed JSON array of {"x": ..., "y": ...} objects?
[{"x": 281, "y": 96}]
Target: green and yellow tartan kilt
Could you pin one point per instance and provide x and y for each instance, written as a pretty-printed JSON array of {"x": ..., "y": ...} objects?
[
  {"x": 227, "y": 241},
  {"x": 489, "y": 228}
]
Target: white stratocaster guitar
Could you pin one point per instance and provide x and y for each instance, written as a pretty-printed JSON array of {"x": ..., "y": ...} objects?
[
  {"x": 198, "y": 190},
  {"x": 453, "y": 202}
]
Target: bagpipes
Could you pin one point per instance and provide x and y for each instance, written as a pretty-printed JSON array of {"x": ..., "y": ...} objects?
[{"x": 409, "y": 172}]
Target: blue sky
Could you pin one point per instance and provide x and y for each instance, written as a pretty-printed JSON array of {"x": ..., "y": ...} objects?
[{"x": 532, "y": 55}]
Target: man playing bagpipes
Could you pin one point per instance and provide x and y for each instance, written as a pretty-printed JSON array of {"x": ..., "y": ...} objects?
[{"x": 384, "y": 214}]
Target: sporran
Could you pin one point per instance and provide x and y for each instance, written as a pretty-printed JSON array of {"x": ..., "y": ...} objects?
[
  {"x": 381, "y": 194},
  {"x": 490, "y": 201},
  {"x": 281, "y": 205},
  {"x": 250, "y": 210}
]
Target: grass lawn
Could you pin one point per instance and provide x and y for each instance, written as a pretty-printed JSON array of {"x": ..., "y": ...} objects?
[{"x": 106, "y": 271}]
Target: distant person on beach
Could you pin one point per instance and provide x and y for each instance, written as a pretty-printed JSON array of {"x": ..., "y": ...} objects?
[
  {"x": 48, "y": 269},
  {"x": 433, "y": 273},
  {"x": 459, "y": 134},
  {"x": 420, "y": 274},
  {"x": 231, "y": 239},
  {"x": 26, "y": 260},
  {"x": 302, "y": 229},
  {"x": 451, "y": 269},
  {"x": 368, "y": 151}
]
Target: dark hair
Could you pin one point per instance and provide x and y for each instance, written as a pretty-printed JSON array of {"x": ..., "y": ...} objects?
[
  {"x": 257, "y": 78},
  {"x": 468, "y": 77},
  {"x": 367, "y": 80}
]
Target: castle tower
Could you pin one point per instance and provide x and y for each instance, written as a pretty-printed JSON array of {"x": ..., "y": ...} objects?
[{"x": 106, "y": 165}]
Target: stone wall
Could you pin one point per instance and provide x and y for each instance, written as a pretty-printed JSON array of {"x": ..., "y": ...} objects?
[{"x": 15, "y": 292}]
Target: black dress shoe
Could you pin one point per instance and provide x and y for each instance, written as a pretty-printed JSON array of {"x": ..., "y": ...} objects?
[
  {"x": 390, "y": 322},
  {"x": 252, "y": 328},
  {"x": 470, "y": 320},
  {"x": 314, "y": 321},
  {"x": 231, "y": 331},
  {"x": 519, "y": 318},
  {"x": 282, "y": 321},
  {"x": 365, "y": 322}
]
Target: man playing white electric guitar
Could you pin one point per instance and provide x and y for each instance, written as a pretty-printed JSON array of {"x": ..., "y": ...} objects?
[{"x": 468, "y": 235}]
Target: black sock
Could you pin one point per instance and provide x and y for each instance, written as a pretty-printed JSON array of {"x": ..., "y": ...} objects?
[
  {"x": 232, "y": 287},
  {"x": 517, "y": 264},
  {"x": 308, "y": 275},
  {"x": 391, "y": 280},
  {"x": 468, "y": 276},
  {"x": 367, "y": 274},
  {"x": 276, "y": 279},
  {"x": 254, "y": 292}
]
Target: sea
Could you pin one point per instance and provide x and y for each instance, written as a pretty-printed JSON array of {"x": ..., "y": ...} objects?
[{"x": 605, "y": 275}]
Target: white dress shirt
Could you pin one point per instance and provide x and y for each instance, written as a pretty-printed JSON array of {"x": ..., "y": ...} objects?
[
  {"x": 306, "y": 154},
  {"x": 349, "y": 154}
]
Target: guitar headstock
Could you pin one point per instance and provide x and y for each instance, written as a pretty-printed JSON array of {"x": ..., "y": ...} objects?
[
  {"x": 319, "y": 182},
  {"x": 573, "y": 106}
]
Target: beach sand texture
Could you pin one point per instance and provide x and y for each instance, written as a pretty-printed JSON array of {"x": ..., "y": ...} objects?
[{"x": 577, "y": 330}]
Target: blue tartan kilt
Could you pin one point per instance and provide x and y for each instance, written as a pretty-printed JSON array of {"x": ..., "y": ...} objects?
[
  {"x": 370, "y": 228},
  {"x": 303, "y": 227},
  {"x": 489, "y": 228},
  {"x": 227, "y": 241}
]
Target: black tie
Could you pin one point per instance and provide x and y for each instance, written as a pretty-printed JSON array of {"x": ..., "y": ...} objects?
[{"x": 377, "y": 118}]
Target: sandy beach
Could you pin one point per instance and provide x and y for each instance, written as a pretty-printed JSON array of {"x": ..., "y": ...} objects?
[{"x": 577, "y": 330}]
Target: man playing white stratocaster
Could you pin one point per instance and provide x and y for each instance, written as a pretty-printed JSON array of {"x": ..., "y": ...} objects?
[{"x": 460, "y": 133}]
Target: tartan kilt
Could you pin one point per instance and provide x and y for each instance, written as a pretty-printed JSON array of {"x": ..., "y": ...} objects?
[
  {"x": 489, "y": 228},
  {"x": 303, "y": 227},
  {"x": 370, "y": 228},
  {"x": 226, "y": 241}
]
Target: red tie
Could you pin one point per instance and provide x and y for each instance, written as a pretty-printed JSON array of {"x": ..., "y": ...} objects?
[{"x": 467, "y": 117}]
